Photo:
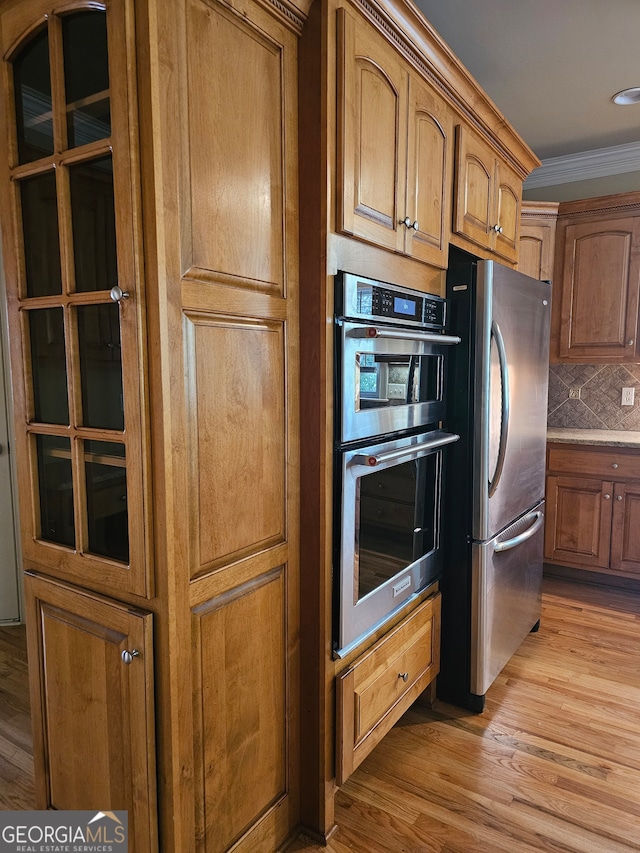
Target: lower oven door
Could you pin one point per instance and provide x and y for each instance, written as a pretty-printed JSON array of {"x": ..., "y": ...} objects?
[{"x": 389, "y": 545}]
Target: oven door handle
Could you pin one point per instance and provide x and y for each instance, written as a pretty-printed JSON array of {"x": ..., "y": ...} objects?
[
  {"x": 370, "y": 332},
  {"x": 373, "y": 459},
  {"x": 538, "y": 517}
]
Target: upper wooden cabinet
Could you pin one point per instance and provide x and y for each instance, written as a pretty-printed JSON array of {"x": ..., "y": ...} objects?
[
  {"x": 488, "y": 197},
  {"x": 597, "y": 289},
  {"x": 394, "y": 148},
  {"x": 538, "y": 239}
]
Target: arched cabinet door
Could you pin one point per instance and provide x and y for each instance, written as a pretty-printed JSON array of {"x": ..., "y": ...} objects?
[{"x": 73, "y": 289}]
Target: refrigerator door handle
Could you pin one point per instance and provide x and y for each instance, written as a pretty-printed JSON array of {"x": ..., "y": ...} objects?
[
  {"x": 538, "y": 515},
  {"x": 496, "y": 334}
]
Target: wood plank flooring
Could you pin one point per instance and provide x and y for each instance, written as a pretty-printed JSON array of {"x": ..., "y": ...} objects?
[
  {"x": 16, "y": 752},
  {"x": 553, "y": 763}
]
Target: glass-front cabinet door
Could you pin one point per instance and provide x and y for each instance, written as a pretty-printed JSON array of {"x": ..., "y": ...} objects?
[{"x": 72, "y": 271}]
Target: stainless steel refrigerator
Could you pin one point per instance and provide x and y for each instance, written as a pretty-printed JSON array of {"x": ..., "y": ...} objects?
[{"x": 494, "y": 503}]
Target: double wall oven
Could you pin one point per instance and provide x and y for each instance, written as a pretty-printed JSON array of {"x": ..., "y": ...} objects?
[{"x": 391, "y": 350}]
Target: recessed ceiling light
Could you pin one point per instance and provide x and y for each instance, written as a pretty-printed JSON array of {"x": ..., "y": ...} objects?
[{"x": 628, "y": 96}]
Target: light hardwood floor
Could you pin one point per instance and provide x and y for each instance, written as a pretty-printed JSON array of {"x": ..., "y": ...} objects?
[
  {"x": 553, "y": 764},
  {"x": 16, "y": 753}
]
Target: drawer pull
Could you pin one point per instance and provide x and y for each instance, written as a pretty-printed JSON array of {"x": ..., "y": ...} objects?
[
  {"x": 404, "y": 676},
  {"x": 614, "y": 465}
]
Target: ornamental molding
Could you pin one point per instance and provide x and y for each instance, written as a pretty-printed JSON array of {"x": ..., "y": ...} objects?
[{"x": 598, "y": 163}]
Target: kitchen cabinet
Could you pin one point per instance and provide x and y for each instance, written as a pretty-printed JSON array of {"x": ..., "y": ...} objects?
[
  {"x": 487, "y": 197},
  {"x": 379, "y": 96},
  {"x": 537, "y": 239},
  {"x": 593, "y": 509},
  {"x": 83, "y": 646},
  {"x": 374, "y": 692},
  {"x": 155, "y": 383},
  {"x": 394, "y": 148},
  {"x": 597, "y": 281}
]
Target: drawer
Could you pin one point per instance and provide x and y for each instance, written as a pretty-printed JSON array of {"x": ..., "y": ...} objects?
[
  {"x": 378, "y": 688},
  {"x": 611, "y": 464}
]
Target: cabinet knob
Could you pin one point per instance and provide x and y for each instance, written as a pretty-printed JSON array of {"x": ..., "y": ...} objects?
[
  {"x": 614, "y": 464},
  {"x": 404, "y": 676},
  {"x": 497, "y": 228},
  {"x": 118, "y": 294},
  {"x": 618, "y": 497},
  {"x": 127, "y": 656},
  {"x": 406, "y": 221},
  {"x": 630, "y": 342},
  {"x": 415, "y": 225},
  {"x": 607, "y": 497}
]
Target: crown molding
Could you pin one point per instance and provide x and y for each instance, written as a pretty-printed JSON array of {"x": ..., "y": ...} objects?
[{"x": 598, "y": 163}]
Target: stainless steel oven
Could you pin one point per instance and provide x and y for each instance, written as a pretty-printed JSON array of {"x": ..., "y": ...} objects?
[
  {"x": 390, "y": 395},
  {"x": 389, "y": 523},
  {"x": 391, "y": 352}
]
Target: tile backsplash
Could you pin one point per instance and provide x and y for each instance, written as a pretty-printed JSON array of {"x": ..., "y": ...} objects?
[{"x": 599, "y": 403}]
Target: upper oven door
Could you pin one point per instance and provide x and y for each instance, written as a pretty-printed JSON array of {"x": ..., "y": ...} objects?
[{"x": 391, "y": 379}]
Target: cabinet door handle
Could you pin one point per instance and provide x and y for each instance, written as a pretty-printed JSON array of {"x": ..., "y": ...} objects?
[
  {"x": 415, "y": 225},
  {"x": 618, "y": 497},
  {"x": 128, "y": 656},
  {"x": 498, "y": 228},
  {"x": 630, "y": 342},
  {"x": 406, "y": 221},
  {"x": 607, "y": 497},
  {"x": 404, "y": 676}
]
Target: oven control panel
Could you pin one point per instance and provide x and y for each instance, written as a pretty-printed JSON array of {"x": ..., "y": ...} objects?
[{"x": 361, "y": 298}]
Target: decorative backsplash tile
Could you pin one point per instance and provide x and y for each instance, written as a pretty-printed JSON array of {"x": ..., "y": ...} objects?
[{"x": 595, "y": 401}]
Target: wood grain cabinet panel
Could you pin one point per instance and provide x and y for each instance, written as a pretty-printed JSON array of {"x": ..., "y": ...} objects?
[
  {"x": 488, "y": 197},
  {"x": 579, "y": 525},
  {"x": 394, "y": 148},
  {"x": 93, "y": 713},
  {"x": 599, "y": 290},
  {"x": 537, "y": 239},
  {"x": 238, "y": 148},
  {"x": 377, "y": 689},
  {"x": 593, "y": 509},
  {"x": 429, "y": 170},
  {"x": 372, "y": 134},
  {"x": 625, "y": 537},
  {"x": 240, "y": 697},
  {"x": 238, "y": 440}
]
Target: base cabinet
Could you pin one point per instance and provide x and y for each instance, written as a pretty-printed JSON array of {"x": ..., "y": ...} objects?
[
  {"x": 91, "y": 670},
  {"x": 593, "y": 510},
  {"x": 377, "y": 689}
]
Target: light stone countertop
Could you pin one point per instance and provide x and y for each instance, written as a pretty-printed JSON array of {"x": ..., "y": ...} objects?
[{"x": 606, "y": 437}]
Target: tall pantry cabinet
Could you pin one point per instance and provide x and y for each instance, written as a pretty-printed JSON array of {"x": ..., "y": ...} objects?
[{"x": 149, "y": 197}]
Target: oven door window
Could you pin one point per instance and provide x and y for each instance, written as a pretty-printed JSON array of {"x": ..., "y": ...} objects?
[
  {"x": 396, "y": 521},
  {"x": 383, "y": 381}
]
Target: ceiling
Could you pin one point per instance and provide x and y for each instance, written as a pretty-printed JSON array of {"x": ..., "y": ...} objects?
[{"x": 551, "y": 66}]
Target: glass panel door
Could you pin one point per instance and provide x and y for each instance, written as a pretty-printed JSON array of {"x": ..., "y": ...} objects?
[{"x": 71, "y": 186}]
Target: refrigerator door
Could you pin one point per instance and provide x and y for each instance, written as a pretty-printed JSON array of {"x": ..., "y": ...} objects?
[
  {"x": 510, "y": 395},
  {"x": 506, "y": 595}
]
